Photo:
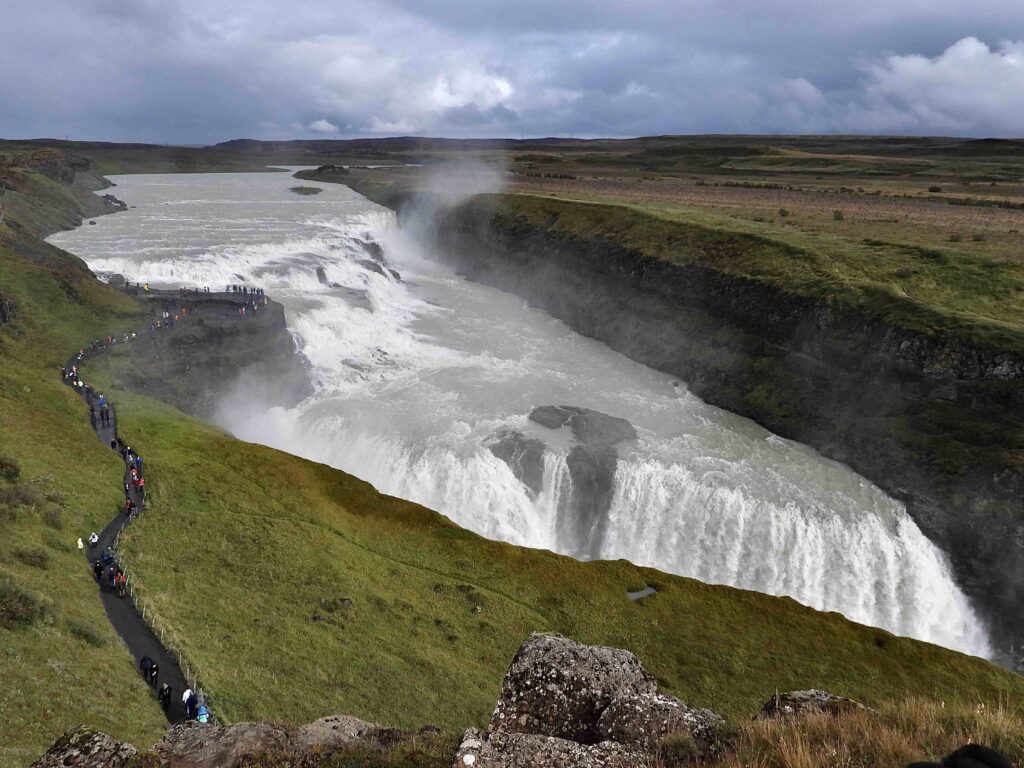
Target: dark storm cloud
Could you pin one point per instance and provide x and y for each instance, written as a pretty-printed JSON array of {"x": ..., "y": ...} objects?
[{"x": 193, "y": 71}]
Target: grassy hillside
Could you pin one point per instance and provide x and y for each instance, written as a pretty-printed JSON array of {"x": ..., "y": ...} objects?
[
  {"x": 61, "y": 662},
  {"x": 246, "y": 555}
]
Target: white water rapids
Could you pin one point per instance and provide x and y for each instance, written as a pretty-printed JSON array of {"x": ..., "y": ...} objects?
[{"x": 413, "y": 378}]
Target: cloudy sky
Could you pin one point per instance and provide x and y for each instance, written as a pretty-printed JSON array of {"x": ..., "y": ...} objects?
[{"x": 201, "y": 71}]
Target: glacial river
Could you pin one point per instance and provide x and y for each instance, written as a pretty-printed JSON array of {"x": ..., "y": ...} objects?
[{"x": 415, "y": 377}]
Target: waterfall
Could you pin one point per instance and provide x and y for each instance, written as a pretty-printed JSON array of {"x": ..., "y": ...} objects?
[{"x": 415, "y": 377}]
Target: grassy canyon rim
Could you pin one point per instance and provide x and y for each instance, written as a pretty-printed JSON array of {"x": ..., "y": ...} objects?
[{"x": 415, "y": 649}]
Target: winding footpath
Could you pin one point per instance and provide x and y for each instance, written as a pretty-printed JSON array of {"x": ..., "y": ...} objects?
[{"x": 123, "y": 612}]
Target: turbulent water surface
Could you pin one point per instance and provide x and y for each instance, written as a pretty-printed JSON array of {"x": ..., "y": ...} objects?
[{"x": 415, "y": 377}]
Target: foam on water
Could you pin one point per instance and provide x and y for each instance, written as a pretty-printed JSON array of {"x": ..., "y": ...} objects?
[{"x": 413, "y": 379}]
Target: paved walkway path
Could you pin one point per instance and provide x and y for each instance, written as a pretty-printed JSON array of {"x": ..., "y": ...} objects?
[{"x": 123, "y": 613}]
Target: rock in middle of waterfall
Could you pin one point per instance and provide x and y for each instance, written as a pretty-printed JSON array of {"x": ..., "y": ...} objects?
[{"x": 582, "y": 516}]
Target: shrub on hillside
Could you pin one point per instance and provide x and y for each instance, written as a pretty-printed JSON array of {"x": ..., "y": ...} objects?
[
  {"x": 36, "y": 557},
  {"x": 838, "y": 215},
  {"x": 53, "y": 517},
  {"x": 87, "y": 634},
  {"x": 10, "y": 469},
  {"x": 935, "y": 189},
  {"x": 20, "y": 608}
]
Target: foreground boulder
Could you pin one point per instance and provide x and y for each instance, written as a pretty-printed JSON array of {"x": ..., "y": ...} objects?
[
  {"x": 558, "y": 687},
  {"x": 644, "y": 721},
  {"x": 83, "y": 748},
  {"x": 525, "y": 750},
  {"x": 195, "y": 745},
  {"x": 796, "y": 703},
  {"x": 564, "y": 703}
]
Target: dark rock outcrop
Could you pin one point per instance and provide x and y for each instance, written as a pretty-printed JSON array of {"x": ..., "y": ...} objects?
[
  {"x": 813, "y": 701},
  {"x": 335, "y": 173},
  {"x": 592, "y": 428},
  {"x": 83, "y": 748},
  {"x": 373, "y": 249},
  {"x": 565, "y": 703},
  {"x": 581, "y": 526},
  {"x": 321, "y": 275},
  {"x": 213, "y": 355},
  {"x": 524, "y": 456}
]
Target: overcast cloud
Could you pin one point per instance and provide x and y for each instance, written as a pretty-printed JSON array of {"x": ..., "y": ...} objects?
[{"x": 201, "y": 71}]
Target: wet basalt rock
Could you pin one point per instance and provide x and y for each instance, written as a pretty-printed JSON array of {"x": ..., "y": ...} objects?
[{"x": 525, "y": 456}]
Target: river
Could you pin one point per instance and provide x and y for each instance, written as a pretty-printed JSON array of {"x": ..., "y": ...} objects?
[{"x": 416, "y": 378}]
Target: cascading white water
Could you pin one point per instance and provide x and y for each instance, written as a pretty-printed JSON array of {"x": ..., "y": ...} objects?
[{"x": 414, "y": 379}]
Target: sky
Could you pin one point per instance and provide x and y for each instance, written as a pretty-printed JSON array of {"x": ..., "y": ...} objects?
[{"x": 203, "y": 71}]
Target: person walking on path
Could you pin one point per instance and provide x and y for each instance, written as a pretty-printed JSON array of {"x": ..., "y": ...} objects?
[
  {"x": 97, "y": 570},
  {"x": 154, "y": 671},
  {"x": 94, "y": 539},
  {"x": 164, "y": 696},
  {"x": 203, "y": 714}
]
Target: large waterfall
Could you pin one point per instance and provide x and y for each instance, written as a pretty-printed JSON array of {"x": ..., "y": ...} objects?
[{"x": 419, "y": 375}]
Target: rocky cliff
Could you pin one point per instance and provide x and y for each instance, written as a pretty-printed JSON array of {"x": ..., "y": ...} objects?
[
  {"x": 923, "y": 416},
  {"x": 210, "y": 354}
]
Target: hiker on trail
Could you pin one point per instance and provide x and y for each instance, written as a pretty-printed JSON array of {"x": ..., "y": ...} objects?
[
  {"x": 94, "y": 539},
  {"x": 154, "y": 671},
  {"x": 107, "y": 557},
  {"x": 120, "y": 583},
  {"x": 190, "y": 707},
  {"x": 134, "y": 473},
  {"x": 129, "y": 507},
  {"x": 144, "y": 664},
  {"x": 113, "y": 444},
  {"x": 203, "y": 714},
  {"x": 97, "y": 570},
  {"x": 140, "y": 484},
  {"x": 112, "y": 577},
  {"x": 138, "y": 464},
  {"x": 164, "y": 696}
]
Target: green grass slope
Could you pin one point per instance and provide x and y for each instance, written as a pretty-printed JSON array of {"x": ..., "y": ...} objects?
[{"x": 60, "y": 662}]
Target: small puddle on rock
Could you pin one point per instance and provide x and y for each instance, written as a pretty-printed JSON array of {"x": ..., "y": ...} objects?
[{"x": 641, "y": 594}]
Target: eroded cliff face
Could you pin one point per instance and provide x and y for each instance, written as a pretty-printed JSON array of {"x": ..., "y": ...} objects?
[
  {"x": 213, "y": 351},
  {"x": 922, "y": 417}
]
